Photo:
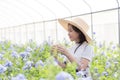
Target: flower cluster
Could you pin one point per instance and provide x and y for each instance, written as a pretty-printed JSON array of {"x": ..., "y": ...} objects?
[{"x": 35, "y": 62}]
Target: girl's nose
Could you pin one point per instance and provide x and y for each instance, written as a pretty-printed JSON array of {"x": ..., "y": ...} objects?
[{"x": 68, "y": 34}]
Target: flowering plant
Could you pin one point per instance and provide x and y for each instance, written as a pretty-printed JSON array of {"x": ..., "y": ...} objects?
[{"x": 35, "y": 62}]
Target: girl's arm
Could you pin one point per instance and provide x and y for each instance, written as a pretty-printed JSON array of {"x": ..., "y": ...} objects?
[
  {"x": 82, "y": 65},
  {"x": 62, "y": 64}
]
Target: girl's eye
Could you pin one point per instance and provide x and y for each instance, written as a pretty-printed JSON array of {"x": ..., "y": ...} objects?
[{"x": 70, "y": 30}]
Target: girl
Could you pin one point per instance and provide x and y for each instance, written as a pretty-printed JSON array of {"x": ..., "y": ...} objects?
[{"x": 81, "y": 53}]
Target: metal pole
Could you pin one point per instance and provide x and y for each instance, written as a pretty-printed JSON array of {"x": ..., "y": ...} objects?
[
  {"x": 9, "y": 33},
  {"x": 91, "y": 17},
  {"x": 14, "y": 33},
  {"x": 20, "y": 34},
  {"x": 34, "y": 31},
  {"x": 4, "y": 33},
  {"x": 0, "y": 35},
  {"x": 26, "y": 33},
  {"x": 44, "y": 31},
  {"x": 56, "y": 31},
  {"x": 118, "y": 22}
]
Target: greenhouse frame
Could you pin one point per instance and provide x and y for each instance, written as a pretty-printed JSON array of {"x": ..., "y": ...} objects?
[
  {"x": 34, "y": 44},
  {"x": 37, "y": 19}
]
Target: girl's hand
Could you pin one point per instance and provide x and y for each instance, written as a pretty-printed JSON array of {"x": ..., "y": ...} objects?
[
  {"x": 54, "y": 51},
  {"x": 62, "y": 49},
  {"x": 83, "y": 64}
]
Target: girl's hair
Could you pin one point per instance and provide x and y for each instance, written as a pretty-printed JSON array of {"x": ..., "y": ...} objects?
[{"x": 82, "y": 37}]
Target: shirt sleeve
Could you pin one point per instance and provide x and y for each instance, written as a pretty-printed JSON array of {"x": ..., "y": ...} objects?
[{"x": 88, "y": 53}]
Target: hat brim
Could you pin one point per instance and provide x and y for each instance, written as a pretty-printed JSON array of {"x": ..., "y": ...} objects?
[{"x": 65, "y": 23}]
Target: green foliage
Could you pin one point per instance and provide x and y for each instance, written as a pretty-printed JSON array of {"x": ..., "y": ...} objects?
[
  {"x": 71, "y": 68},
  {"x": 105, "y": 64}
]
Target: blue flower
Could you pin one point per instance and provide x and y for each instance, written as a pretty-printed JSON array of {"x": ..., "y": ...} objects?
[
  {"x": 2, "y": 52},
  {"x": 105, "y": 73},
  {"x": 8, "y": 64},
  {"x": 94, "y": 33},
  {"x": 28, "y": 65},
  {"x": 108, "y": 64},
  {"x": 103, "y": 53},
  {"x": 97, "y": 74},
  {"x": 3, "y": 47},
  {"x": 2, "y": 69},
  {"x": 41, "y": 49},
  {"x": 100, "y": 45},
  {"x": 25, "y": 59},
  {"x": 42, "y": 79},
  {"x": 1, "y": 56},
  {"x": 88, "y": 78},
  {"x": 11, "y": 47},
  {"x": 113, "y": 47},
  {"x": 39, "y": 63},
  {"x": 64, "y": 76},
  {"x": 28, "y": 49},
  {"x": 82, "y": 73},
  {"x": 24, "y": 54},
  {"x": 19, "y": 77},
  {"x": 96, "y": 70},
  {"x": 14, "y": 54}
]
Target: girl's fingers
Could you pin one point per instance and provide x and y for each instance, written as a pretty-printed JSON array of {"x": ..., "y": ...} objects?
[{"x": 58, "y": 48}]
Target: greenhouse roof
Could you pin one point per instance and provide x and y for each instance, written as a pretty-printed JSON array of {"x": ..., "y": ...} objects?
[{"x": 17, "y": 12}]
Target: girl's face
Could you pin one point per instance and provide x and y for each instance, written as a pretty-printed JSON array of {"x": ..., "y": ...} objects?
[{"x": 74, "y": 36}]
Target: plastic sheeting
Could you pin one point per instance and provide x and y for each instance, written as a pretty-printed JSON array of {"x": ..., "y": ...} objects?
[{"x": 17, "y": 12}]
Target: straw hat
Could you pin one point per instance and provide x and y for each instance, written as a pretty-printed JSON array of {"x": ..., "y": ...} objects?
[{"x": 77, "y": 22}]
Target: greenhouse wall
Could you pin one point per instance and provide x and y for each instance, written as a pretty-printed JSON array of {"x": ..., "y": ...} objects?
[{"x": 104, "y": 25}]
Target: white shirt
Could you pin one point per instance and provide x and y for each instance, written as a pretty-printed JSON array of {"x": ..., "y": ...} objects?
[{"x": 83, "y": 51}]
